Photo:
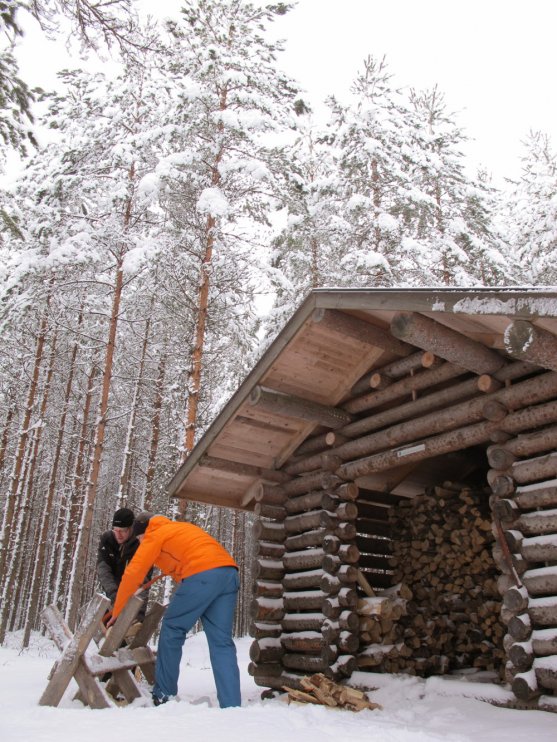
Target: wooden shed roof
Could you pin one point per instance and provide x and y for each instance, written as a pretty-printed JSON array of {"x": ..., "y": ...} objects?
[{"x": 318, "y": 357}]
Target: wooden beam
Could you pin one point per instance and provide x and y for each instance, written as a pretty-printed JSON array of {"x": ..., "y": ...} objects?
[
  {"x": 453, "y": 440},
  {"x": 446, "y": 343},
  {"x": 243, "y": 470},
  {"x": 524, "y": 340},
  {"x": 398, "y": 389},
  {"x": 346, "y": 325},
  {"x": 298, "y": 408}
]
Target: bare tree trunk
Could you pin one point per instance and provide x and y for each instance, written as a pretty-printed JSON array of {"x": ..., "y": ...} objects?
[
  {"x": 125, "y": 474},
  {"x": 39, "y": 574},
  {"x": 70, "y": 515},
  {"x": 20, "y": 542},
  {"x": 76, "y": 582},
  {"x": 8, "y": 521},
  {"x": 202, "y": 306},
  {"x": 5, "y": 435},
  {"x": 155, "y": 433}
]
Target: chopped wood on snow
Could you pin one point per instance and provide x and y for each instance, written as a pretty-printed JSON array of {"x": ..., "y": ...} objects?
[{"x": 321, "y": 690}]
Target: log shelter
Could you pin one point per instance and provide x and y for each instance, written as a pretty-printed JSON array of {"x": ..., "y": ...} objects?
[{"x": 398, "y": 448}]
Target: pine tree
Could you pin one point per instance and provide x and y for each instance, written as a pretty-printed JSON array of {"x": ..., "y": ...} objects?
[
  {"x": 223, "y": 179},
  {"x": 530, "y": 214}
]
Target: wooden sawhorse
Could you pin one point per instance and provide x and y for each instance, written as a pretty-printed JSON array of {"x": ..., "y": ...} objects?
[{"x": 85, "y": 666}]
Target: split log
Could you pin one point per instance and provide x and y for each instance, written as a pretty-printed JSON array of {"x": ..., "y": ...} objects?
[
  {"x": 516, "y": 599},
  {"x": 543, "y": 611},
  {"x": 345, "y": 531},
  {"x": 303, "y": 503},
  {"x": 494, "y": 410},
  {"x": 523, "y": 654},
  {"x": 124, "y": 658},
  {"x": 537, "y": 548},
  {"x": 446, "y": 343},
  {"x": 520, "y": 627}
]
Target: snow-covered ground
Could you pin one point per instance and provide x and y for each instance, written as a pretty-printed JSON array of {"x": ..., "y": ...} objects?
[{"x": 413, "y": 710}]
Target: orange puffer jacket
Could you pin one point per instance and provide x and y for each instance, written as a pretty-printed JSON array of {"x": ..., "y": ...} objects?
[{"x": 177, "y": 549}]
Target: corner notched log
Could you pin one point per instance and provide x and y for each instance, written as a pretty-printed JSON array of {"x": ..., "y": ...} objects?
[{"x": 525, "y": 340}]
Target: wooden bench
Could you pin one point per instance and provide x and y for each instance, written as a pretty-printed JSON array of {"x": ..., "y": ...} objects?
[{"x": 87, "y": 660}]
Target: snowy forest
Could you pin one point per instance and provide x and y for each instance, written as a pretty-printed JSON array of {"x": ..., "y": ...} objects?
[{"x": 176, "y": 215}]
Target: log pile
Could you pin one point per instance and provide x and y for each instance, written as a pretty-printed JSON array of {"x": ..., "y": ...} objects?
[
  {"x": 321, "y": 690},
  {"x": 445, "y": 613}
]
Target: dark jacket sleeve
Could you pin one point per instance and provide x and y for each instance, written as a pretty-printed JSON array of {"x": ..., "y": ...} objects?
[{"x": 104, "y": 570}]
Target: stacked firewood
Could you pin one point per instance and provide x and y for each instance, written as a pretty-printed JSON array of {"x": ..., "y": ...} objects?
[
  {"x": 321, "y": 690},
  {"x": 381, "y": 632},
  {"x": 449, "y": 602}
]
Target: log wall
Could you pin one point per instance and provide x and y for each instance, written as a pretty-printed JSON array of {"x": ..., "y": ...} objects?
[{"x": 350, "y": 577}]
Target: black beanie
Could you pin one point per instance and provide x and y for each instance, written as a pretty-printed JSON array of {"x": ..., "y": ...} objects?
[
  {"x": 123, "y": 518},
  {"x": 141, "y": 522}
]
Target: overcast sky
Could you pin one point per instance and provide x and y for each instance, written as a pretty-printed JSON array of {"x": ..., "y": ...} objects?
[{"x": 495, "y": 60}]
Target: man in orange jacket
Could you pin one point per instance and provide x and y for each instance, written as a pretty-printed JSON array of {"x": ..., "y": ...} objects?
[{"x": 208, "y": 589}]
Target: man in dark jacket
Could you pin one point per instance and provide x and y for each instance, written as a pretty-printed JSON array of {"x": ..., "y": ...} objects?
[{"x": 116, "y": 549}]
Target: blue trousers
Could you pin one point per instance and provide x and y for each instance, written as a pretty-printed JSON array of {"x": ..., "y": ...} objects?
[{"x": 210, "y": 596}]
